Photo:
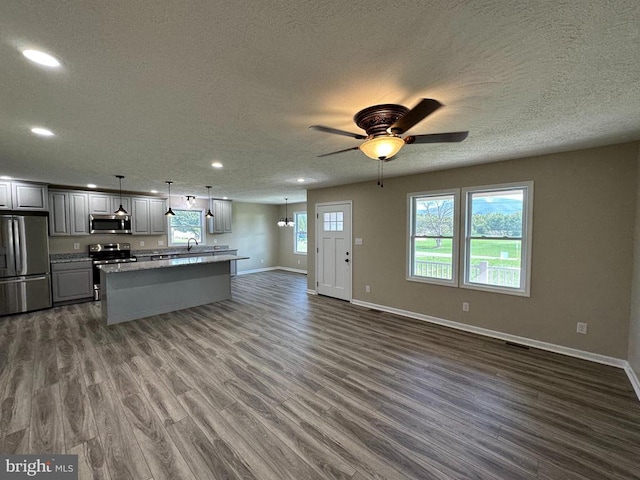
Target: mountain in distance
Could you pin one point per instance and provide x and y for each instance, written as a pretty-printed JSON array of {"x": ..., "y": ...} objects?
[{"x": 485, "y": 205}]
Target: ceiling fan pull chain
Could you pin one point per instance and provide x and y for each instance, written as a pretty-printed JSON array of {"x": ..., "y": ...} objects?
[{"x": 381, "y": 173}]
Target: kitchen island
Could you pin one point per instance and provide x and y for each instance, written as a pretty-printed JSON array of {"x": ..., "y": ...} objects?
[{"x": 142, "y": 289}]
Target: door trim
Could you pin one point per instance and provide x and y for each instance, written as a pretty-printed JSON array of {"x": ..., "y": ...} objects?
[{"x": 350, "y": 239}]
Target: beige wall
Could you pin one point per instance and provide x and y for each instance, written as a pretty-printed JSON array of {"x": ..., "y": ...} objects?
[
  {"x": 634, "y": 324},
  {"x": 286, "y": 257},
  {"x": 584, "y": 213},
  {"x": 255, "y": 234}
]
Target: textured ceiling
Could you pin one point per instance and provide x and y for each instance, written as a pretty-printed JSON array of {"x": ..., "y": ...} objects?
[{"x": 158, "y": 90}]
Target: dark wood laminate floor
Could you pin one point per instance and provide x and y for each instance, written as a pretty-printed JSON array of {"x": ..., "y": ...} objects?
[{"x": 277, "y": 384}]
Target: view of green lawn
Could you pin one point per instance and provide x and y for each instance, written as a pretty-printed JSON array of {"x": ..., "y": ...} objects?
[{"x": 499, "y": 253}]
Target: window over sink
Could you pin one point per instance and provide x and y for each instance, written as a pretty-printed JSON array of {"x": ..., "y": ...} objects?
[{"x": 186, "y": 224}]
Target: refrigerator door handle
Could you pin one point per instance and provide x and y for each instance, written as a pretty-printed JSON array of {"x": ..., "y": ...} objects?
[
  {"x": 10, "y": 247},
  {"x": 23, "y": 280},
  {"x": 18, "y": 236}
]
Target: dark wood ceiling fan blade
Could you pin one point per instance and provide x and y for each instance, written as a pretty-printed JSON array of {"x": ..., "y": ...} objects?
[
  {"x": 450, "y": 137},
  {"x": 422, "y": 110},
  {"x": 339, "y": 151},
  {"x": 338, "y": 132}
]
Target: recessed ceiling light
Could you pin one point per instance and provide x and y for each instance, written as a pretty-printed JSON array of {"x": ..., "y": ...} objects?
[
  {"x": 301, "y": 180},
  {"x": 216, "y": 165},
  {"x": 41, "y": 58},
  {"x": 43, "y": 132},
  {"x": 225, "y": 198},
  {"x": 92, "y": 185},
  {"x": 154, "y": 191},
  {"x": 5, "y": 177}
]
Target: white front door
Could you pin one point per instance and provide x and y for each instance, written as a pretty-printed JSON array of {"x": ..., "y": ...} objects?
[{"x": 333, "y": 254}]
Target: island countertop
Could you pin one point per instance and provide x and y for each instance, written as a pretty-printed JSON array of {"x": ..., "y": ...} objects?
[{"x": 175, "y": 262}]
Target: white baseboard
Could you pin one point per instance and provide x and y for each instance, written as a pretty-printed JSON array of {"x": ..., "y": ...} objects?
[
  {"x": 633, "y": 378},
  {"x": 551, "y": 347},
  {"x": 257, "y": 270},
  {"x": 311, "y": 291},
  {"x": 294, "y": 270}
]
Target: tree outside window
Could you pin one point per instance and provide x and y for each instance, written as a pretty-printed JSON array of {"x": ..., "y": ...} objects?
[
  {"x": 186, "y": 224},
  {"x": 300, "y": 232}
]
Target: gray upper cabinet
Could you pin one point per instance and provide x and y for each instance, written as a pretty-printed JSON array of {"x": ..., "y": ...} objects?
[
  {"x": 69, "y": 213},
  {"x": 222, "y": 216},
  {"x": 158, "y": 222},
  {"x": 29, "y": 196},
  {"x": 78, "y": 213},
  {"x": 100, "y": 204},
  {"x": 5, "y": 195},
  {"x": 141, "y": 222},
  {"x": 59, "y": 214},
  {"x": 24, "y": 196}
]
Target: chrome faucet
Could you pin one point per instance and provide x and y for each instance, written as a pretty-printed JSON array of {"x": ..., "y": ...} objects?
[{"x": 189, "y": 247}]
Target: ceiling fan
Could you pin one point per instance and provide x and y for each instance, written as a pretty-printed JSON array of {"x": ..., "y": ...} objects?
[{"x": 385, "y": 123}]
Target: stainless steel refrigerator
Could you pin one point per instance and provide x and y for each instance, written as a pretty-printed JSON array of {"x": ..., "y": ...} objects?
[{"x": 25, "y": 282}]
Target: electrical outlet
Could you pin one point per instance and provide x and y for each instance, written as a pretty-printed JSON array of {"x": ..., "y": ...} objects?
[
  {"x": 298, "y": 262},
  {"x": 160, "y": 243},
  {"x": 215, "y": 240},
  {"x": 367, "y": 288},
  {"x": 76, "y": 246},
  {"x": 262, "y": 260},
  {"x": 581, "y": 327},
  {"x": 142, "y": 243},
  {"x": 465, "y": 306}
]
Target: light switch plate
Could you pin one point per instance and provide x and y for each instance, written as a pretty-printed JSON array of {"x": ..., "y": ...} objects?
[
  {"x": 358, "y": 241},
  {"x": 76, "y": 246},
  {"x": 160, "y": 242}
]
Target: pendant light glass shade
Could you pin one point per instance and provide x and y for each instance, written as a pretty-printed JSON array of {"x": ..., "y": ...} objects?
[
  {"x": 120, "y": 210},
  {"x": 169, "y": 212},
  {"x": 285, "y": 221},
  {"x": 209, "y": 214}
]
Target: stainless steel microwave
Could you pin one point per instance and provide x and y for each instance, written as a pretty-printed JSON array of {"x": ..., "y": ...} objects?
[{"x": 119, "y": 224}]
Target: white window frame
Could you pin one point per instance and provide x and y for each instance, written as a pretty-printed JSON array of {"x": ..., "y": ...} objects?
[
  {"x": 295, "y": 232},
  {"x": 202, "y": 225},
  {"x": 455, "y": 239},
  {"x": 527, "y": 235}
]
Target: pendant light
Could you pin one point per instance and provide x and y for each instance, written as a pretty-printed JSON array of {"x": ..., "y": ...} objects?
[
  {"x": 169, "y": 212},
  {"x": 285, "y": 222},
  {"x": 120, "y": 210},
  {"x": 209, "y": 214}
]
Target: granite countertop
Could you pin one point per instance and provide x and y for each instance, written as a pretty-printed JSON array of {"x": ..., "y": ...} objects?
[
  {"x": 176, "y": 262},
  {"x": 68, "y": 257},
  {"x": 182, "y": 250},
  {"x": 84, "y": 257}
]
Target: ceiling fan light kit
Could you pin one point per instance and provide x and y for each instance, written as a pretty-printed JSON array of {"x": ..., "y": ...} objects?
[
  {"x": 385, "y": 123},
  {"x": 382, "y": 147}
]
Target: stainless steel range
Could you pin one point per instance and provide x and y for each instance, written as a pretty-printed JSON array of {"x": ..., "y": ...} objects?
[{"x": 105, "y": 254}]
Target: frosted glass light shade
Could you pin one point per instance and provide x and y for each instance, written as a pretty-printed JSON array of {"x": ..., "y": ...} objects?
[{"x": 382, "y": 147}]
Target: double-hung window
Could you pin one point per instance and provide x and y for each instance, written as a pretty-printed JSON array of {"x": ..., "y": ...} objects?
[
  {"x": 186, "y": 224},
  {"x": 300, "y": 233},
  {"x": 497, "y": 244},
  {"x": 495, "y": 241},
  {"x": 433, "y": 239}
]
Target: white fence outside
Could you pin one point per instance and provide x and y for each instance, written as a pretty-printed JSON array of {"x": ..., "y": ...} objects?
[{"x": 480, "y": 273}]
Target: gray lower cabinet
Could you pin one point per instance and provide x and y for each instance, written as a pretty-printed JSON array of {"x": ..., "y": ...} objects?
[
  {"x": 72, "y": 281},
  {"x": 222, "y": 216}
]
